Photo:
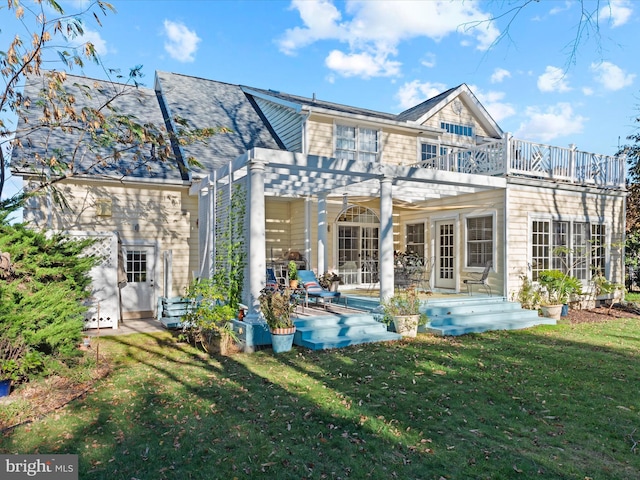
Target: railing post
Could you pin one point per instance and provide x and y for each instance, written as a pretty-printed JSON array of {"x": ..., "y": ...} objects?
[
  {"x": 572, "y": 163},
  {"x": 507, "y": 153}
]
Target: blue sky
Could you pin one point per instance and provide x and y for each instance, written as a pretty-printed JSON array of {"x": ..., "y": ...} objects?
[{"x": 391, "y": 55}]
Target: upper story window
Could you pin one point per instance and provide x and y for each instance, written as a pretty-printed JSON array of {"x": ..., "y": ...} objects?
[
  {"x": 356, "y": 143},
  {"x": 456, "y": 129},
  {"x": 428, "y": 151}
]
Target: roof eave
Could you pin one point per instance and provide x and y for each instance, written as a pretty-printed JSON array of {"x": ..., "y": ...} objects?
[{"x": 413, "y": 127}]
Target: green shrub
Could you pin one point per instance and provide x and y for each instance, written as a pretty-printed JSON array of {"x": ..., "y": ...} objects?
[
  {"x": 210, "y": 314},
  {"x": 41, "y": 298}
]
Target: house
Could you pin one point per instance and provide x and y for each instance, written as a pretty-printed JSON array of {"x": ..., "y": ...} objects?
[{"x": 345, "y": 187}]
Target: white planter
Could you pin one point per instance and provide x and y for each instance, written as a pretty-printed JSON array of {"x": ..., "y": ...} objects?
[
  {"x": 551, "y": 311},
  {"x": 406, "y": 325}
]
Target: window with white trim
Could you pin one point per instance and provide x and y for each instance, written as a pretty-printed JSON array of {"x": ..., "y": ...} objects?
[
  {"x": 598, "y": 249},
  {"x": 136, "y": 266},
  {"x": 577, "y": 248},
  {"x": 540, "y": 247},
  {"x": 415, "y": 239},
  {"x": 479, "y": 241},
  {"x": 356, "y": 143},
  {"x": 457, "y": 129},
  {"x": 428, "y": 151}
]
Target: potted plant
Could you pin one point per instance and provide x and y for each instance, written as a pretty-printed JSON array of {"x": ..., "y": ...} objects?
[
  {"x": 208, "y": 319},
  {"x": 330, "y": 281},
  {"x": 557, "y": 287},
  {"x": 403, "y": 309},
  {"x": 603, "y": 286},
  {"x": 292, "y": 271},
  {"x": 277, "y": 307}
]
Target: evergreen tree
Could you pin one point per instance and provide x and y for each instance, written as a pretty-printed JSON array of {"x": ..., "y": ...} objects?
[{"x": 42, "y": 293}]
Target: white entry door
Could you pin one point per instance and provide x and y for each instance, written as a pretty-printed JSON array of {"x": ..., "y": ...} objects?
[
  {"x": 445, "y": 255},
  {"x": 138, "y": 296}
]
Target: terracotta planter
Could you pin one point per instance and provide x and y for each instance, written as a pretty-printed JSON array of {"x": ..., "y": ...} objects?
[
  {"x": 406, "y": 325},
  {"x": 283, "y": 331},
  {"x": 293, "y": 284},
  {"x": 282, "y": 339},
  {"x": 551, "y": 311}
]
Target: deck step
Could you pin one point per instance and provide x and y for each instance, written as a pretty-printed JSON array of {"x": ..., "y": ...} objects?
[
  {"x": 479, "y": 327},
  {"x": 338, "y": 331},
  {"x": 480, "y": 314}
]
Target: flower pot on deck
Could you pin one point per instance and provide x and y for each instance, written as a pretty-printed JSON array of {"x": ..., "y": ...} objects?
[
  {"x": 282, "y": 339},
  {"x": 406, "y": 325}
]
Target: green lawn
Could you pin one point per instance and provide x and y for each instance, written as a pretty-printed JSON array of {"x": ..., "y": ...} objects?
[{"x": 551, "y": 402}]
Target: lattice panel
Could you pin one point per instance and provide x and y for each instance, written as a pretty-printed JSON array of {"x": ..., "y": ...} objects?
[{"x": 101, "y": 249}]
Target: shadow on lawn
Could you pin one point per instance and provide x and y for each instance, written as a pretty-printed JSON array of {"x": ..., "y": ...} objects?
[
  {"x": 488, "y": 406},
  {"x": 504, "y": 402}
]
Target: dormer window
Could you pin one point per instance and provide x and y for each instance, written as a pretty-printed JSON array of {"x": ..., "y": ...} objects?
[
  {"x": 356, "y": 143},
  {"x": 456, "y": 129}
]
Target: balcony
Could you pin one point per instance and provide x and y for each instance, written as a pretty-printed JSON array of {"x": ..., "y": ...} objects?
[{"x": 519, "y": 158}]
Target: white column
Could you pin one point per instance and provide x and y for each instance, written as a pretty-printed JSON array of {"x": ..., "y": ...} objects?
[
  {"x": 322, "y": 234},
  {"x": 386, "y": 238},
  {"x": 308, "y": 254},
  {"x": 257, "y": 264}
]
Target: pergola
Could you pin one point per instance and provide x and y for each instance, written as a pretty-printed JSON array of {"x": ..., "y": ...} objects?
[{"x": 279, "y": 173}]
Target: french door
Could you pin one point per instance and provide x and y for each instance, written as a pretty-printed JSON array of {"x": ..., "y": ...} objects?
[{"x": 445, "y": 271}]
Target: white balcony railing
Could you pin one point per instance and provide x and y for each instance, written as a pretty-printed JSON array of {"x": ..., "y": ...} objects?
[{"x": 534, "y": 160}]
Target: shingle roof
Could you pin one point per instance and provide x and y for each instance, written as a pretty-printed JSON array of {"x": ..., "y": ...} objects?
[
  {"x": 204, "y": 103},
  {"x": 209, "y": 103},
  {"x": 314, "y": 102},
  {"x": 138, "y": 102},
  {"x": 416, "y": 112}
]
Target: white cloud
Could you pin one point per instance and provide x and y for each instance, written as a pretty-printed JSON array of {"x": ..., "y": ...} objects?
[
  {"x": 610, "y": 76},
  {"x": 320, "y": 18},
  {"x": 559, "y": 9},
  {"x": 377, "y": 28},
  {"x": 618, "y": 11},
  {"x": 412, "y": 93},
  {"x": 94, "y": 37},
  {"x": 429, "y": 60},
  {"x": 587, "y": 91},
  {"x": 181, "y": 43},
  {"x": 494, "y": 104},
  {"x": 545, "y": 125},
  {"x": 363, "y": 64},
  {"x": 553, "y": 80},
  {"x": 499, "y": 74}
]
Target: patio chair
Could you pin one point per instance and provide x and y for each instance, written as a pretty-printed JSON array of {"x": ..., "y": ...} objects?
[
  {"x": 272, "y": 280},
  {"x": 421, "y": 276},
  {"x": 482, "y": 280},
  {"x": 401, "y": 278},
  {"x": 370, "y": 270},
  {"x": 313, "y": 288}
]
